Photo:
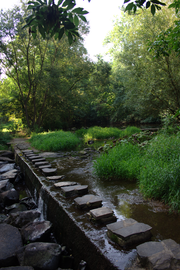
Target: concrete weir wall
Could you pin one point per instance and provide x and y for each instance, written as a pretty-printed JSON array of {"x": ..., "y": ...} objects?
[{"x": 65, "y": 227}]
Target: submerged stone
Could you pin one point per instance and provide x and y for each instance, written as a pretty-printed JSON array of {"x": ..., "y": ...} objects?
[
  {"x": 88, "y": 201},
  {"x": 74, "y": 190},
  {"x": 128, "y": 232},
  {"x": 102, "y": 214},
  {"x": 159, "y": 255},
  {"x": 64, "y": 184}
]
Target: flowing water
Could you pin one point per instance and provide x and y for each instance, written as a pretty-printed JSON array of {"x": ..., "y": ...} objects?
[{"x": 122, "y": 197}]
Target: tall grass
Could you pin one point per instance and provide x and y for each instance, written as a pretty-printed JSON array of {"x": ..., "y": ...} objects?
[
  {"x": 54, "y": 141},
  {"x": 156, "y": 167},
  {"x": 106, "y": 132},
  {"x": 122, "y": 161}
]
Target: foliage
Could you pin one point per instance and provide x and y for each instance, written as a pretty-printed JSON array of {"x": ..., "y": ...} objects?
[
  {"x": 159, "y": 175},
  {"x": 55, "y": 20},
  {"x": 54, "y": 141},
  {"x": 5, "y": 137},
  {"x": 46, "y": 77},
  {"x": 149, "y": 86},
  {"x": 122, "y": 162}
]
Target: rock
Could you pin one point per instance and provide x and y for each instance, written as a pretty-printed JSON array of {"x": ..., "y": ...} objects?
[
  {"x": 29, "y": 203},
  {"x": 7, "y": 167},
  {"x": 82, "y": 152},
  {"x": 36, "y": 231},
  {"x": 11, "y": 175},
  {"x": 45, "y": 166},
  {"x": 38, "y": 160},
  {"x": 41, "y": 163},
  {"x": 9, "y": 197},
  {"x": 56, "y": 177},
  {"x": 8, "y": 154},
  {"x": 88, "y": 201},
  {"x": 160, "y": 255},
  {"x": 6, "y": 159},
  {"x": 49, "y": 171},
  {"x": 5, "y": 185},
  {"x": 33, "y": 156},
  {"x": 20, "y": 219},
  {"x": 74, "y": 190},
  {"x": 102, "y": 214},
  {"x": 15, "y": 208},
  {"x": 41, "y": 256},
  {"x": 90, "y": 142},
  {"x": 10, "y": 242},
  {"x": 129, "y": 232},
  {"x": 64, "y": 184}
]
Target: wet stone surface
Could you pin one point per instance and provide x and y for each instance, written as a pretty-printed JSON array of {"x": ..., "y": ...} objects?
[
  {"x": 41, "y": 163},
  {"x": 103, "y": 215},
  {"x": 88, "y": 201},
  {"x": 74, "y": 190},
  {"x": 49, "y": 171},
  {"x": 128, "y": 232},
  {"x": 159, "y": 255},
  {"x": 64, "y": 184}
]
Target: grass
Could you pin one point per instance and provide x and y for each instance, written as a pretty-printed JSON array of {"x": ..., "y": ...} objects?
[
  {"x": 5, "y": 137},
  {"x": 156, "y": 167},
  {"x": 105, "y": 133},
  {"x": 54, "y": 141}
]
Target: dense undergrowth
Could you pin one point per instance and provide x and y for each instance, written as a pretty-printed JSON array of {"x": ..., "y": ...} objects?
[{"x": 155, "y": 165}]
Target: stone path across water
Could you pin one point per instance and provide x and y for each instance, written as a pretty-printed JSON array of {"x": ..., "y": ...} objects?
[{"x": 125, "y": 232}]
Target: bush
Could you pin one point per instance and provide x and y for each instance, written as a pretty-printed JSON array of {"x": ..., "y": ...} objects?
[{"x": 54, "y": 141}]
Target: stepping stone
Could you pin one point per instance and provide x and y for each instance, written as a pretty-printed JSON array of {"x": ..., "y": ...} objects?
[
  {"x": 88, "y": 201},
  {"x": 64, "y": 184},
  {"x": 27, "y": 151},
  {"x": 41, "y": 163},
  {"x": 45, "y": 166},
  {"x": 49, "y": 171},
  {"x": 102, "y": 215},
  {"x": 159, "y": 255},
  {"x": 56, "y": 177},
  {"x": 33, "y": 157},
  {"x": 129, "y": 232},
  {"x": 74, "y": 190},
  {"x": 38, "y": 160}
]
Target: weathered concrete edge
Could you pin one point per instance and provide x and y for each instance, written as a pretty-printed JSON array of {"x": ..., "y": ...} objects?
[{"x": 65, "y": 227}]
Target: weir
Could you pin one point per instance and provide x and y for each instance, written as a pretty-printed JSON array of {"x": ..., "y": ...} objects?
[{"x": 93, "y": 245}]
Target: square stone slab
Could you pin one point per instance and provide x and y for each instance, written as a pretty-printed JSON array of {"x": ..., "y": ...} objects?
[
  {"x": 102, "y": 212},
  {"x": 45, "y": 166},
  {"x": 128, "y": 232},
  {"x": 74, "y": 190},
  {"x": 88, "y": 201},
  {"x": 49, "y": 171},
  {"x": 27, "y": 151},
  {"x": 41, "y": 163},
  {"x": 33, "y": 157},
  {"x": 64, "y": 184},
  {"x": 39, "y": 159},
  {"x": 159, "y": 255},
  {"x": 56, "y": 177}
]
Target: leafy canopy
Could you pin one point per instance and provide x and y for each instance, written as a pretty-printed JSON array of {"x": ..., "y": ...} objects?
[{"x": 52, "y": 19}]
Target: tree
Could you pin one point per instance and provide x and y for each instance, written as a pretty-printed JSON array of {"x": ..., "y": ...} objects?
[
  {"x": 151, "y": 85},
  {"x": 52, "y": 19},
  {"x": 45, "y": 72}
]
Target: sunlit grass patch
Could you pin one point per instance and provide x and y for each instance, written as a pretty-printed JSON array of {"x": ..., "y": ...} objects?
[
  {"x": 122, "y": 161},
  {"x": 54, "y": 141}
]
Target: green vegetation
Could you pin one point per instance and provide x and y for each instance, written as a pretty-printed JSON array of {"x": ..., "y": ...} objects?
[
  {"x": 156, "y": 167},
  {"x": 5, "y": 137},
  {"x": 54, "y": 141},
  {"x": 106, "y": 132}
]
